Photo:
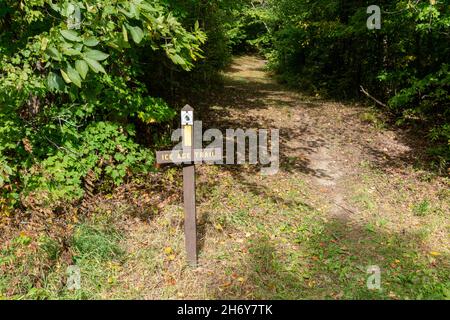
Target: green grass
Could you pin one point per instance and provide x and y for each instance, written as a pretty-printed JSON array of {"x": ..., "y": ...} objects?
[
  {"x": 332, "y": 265},
  {"x": 299, "y": 253},
  {"x": 364, "y": 199},
  {"x": 373, "y": 117},
  {"x": 422, "y": 209},
  {"x": 96, "y": 242},
  {"x": 33, "y": 268}
]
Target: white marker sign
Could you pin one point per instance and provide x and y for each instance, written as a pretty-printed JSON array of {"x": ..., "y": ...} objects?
[{"x": 187, "y": 118}]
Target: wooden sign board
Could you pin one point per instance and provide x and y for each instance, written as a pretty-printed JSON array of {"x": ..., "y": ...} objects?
[{"x": 180, "y": 156}]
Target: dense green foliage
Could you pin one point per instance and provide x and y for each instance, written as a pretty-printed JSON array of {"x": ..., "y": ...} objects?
[
  {"x": 328, "y": 41},
  {"x": 249, "y": 31},
  {"x": 71, "y": 91},
  {"x": 80, "y": 79},
  {"x": 325, "y": 46},
  {"x": 215, "y": 18}
]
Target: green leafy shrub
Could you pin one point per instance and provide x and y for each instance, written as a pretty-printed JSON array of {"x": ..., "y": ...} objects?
[
  {"x": 214, "y": 18},
  {"x": 250, "y": 30},
  {"x": 71, "y": 91}
]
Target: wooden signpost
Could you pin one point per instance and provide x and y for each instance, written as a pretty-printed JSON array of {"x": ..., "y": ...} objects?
[{"x": 188, "y": 156}]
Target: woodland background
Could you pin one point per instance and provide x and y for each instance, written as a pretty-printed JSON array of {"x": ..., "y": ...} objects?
[
  {"x": 98, "y": 97},
  {"x": 85, "y": 103}
]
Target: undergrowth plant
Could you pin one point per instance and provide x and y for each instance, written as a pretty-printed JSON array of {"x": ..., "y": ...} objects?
[{"x": 71, "y": 92}]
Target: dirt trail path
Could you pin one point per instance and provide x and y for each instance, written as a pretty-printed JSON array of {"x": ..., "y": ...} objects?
[
  {"x": 348, "y": 195},
  {"x": 320, "y": 139}
]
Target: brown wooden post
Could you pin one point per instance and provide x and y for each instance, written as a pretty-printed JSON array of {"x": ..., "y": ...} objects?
[
  {"x": 188, "y": 156},
  {"x": 190, "y": 220}
]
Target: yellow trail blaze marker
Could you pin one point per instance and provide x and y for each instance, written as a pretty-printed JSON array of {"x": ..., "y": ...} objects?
[{"x": 187, "y": 136}]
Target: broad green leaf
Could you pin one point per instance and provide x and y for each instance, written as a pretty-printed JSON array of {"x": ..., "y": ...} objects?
[
  {"x": 71, "y": 35},
  {"x": 147, "y": 7},
  {"x": 55, "y": 6},
  {"x": 95, "y": 55},
  {"x": 74, "y": 76},
  {"x": 70, "y": 8},
  {"x": 53, "y": 53},
  {"x": 125, "y": 12},
  {"x": 78, "y": 47},
  {"x": 7, "y": 169},
  {"x": 82, "y": 67},
  {"x": 44, "y": 43},
  {"x": 55, "y": 82},
  {"x": 71, "y": 52},
  {"x": 119, "y": 157},
  {"x": 65, "y": 76},
  {"x": 136, "y": 33},
  {"x": 91, "y": 42},
  {"x": 178, "y": 60},
  {"x": 134, "y": 11},
  {"x": 94, "y": 65},
  {"x": 125, "y": 33}
]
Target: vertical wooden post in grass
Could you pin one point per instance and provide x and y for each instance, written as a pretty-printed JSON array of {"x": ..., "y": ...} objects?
[
  {"x": 188, "y": 156},
  {"x": 190, "y": 219}
]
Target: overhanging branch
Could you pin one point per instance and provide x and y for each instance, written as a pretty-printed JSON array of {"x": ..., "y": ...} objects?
[{"x": 373, "y": 98}]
